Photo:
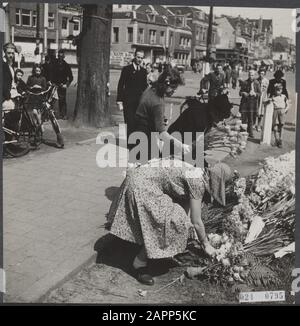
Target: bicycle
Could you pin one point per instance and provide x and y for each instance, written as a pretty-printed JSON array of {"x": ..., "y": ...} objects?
[
  {"x": 47, "y": 113},
  {"x": 19, "y": 130}
]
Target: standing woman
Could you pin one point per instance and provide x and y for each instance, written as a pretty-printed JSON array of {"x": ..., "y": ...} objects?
[
  {"x": 264, "y": 84},
  {"x": 150, "y": 114}
]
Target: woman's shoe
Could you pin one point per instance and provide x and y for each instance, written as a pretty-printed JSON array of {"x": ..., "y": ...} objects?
[
  {"x": 143, "y": 276},
  {"x": 279, "y": 143}
]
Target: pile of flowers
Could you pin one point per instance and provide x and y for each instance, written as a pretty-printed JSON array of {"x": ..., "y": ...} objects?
[
  {"x": 261, "y": 222},
  {"x": 236, "y": 133}
]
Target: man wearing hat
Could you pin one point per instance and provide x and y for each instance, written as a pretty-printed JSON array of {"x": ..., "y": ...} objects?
[{"x": 278, "y": 79}]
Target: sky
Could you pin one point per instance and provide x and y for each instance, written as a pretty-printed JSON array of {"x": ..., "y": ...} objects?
[{"x": 282, "y": 18}]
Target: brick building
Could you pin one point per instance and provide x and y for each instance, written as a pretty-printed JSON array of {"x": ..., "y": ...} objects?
[
  {"x": 197, "y": 20},
  {"x": 154, "y": 29},
  {"x": 243, "y": 40},
  {"x": 59, "y": 23}
]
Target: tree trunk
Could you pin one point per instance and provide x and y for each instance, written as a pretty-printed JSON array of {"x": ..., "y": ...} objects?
[{"x": 92, "y": 107}]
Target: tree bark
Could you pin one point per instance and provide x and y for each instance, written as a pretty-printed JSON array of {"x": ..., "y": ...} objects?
[{"x": 92, "y": 107}]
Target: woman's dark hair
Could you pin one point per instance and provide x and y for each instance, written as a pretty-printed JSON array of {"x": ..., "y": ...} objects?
[
  {"x": 36, "y": 65},
  {"x": 278, "y": 74},
  {"x": 170, "y": 76}
]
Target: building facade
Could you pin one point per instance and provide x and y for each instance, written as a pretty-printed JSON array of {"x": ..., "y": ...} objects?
[
  {"x": 197, "y": 20},
  {"x": 154, "y": 29},
  {"x": 46, "y": 26},
  {"x": 244, "y": 41}
]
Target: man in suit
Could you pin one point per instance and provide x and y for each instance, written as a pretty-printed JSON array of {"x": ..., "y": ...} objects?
[
  {"x": 132, "y": 83},
  {"x": 214, "y": 82},
  {"x": 250, "y": 92},
  {"x": 63, "y": 77},
  {"x": 8, "y": 71}
]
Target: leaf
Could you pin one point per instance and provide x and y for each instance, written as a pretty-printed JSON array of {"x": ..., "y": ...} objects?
[
  {"x": 182, "y": 278},
  {"x": 194, "y": 271},
  {"x": 142, "y": 293}
]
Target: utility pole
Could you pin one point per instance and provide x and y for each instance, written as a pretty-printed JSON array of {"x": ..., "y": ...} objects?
[
  {"x": 208, "y": 57},
  {"x": 209, "y": 36},
  {"x": 37, "y": 49},
  {"x": 46, "y": 10}
]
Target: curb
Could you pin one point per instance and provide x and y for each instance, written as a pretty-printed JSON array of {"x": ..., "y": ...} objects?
[{"x": 75, "y": 271}]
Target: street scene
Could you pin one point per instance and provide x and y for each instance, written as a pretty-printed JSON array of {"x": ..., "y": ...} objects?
[{"x": 78, "y": 232}]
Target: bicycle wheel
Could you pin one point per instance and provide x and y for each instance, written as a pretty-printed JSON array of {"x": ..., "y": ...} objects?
[
  {"x": 56, "y": 128},
  {"x": 20, "y": 147}
]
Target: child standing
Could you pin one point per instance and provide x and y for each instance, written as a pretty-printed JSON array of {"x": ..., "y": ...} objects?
[{"x": 281, "y": 106}]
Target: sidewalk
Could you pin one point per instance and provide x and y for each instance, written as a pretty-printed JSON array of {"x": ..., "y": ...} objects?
[{"x": 54, "y": 211}]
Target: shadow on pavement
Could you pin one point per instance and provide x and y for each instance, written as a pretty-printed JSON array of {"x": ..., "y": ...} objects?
[{"x": 117, "y": 253}]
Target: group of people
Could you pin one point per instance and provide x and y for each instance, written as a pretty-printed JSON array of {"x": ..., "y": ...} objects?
[
  {"x": 159, "y": 206},
  {"x": 142, "y": 102},
  {"x": 256, "y": 92},
  {"x": 56, "y": 71}
]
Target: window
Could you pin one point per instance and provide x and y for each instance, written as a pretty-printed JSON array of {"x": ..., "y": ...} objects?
[
  {"x": 204, "y": 34},
  {"x": 152, "y": 34},
  {"x": 64, "y": 23},
  {"x": 26, "y": 17},
  {"x": 129, "y": 34},
  {"x": 51, "y": 20},
  {"x": 76, "y": 25},
  {"x": 162, "y": 37},
  {"x": 34, "y": 19},
  {"x": 116, "y": 34},
  {"x": 18, "y": 17},
  {"x": 141, "y": 36}
]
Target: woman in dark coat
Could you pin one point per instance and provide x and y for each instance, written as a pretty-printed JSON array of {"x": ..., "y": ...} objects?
[{"x": 150, "y": 117}]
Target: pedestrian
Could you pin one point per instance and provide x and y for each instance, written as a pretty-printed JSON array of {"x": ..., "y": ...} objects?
[
  {"x": 36, "y": 79},
  {"x": 264, "y": 84},
  {"x": 250, "y": 92},
  {"x": 8, "y": 84},
  {"x": 278, "y": 79},
  {"x": 227, "y": 71},
  {"x": 47, "y": 69},
  {"x": 281, "y": 106},
  {"x": 214, "y": 82},
  {"x": 234, "y": 76},
  {"x": 132, "y": 83},
  {"x": 150, "y": 114},
  {"x": 62, "y": 76},
  {"x": 20, "y": 84},
  {"x": 152, "y": 209},
  {"x": 36, "y": 83}
]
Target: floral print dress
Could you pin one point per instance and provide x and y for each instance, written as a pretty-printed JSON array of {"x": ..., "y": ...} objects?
[{"x": 148, "y": 209}]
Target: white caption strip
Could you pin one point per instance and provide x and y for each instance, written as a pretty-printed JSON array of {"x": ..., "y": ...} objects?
[
  {"x": 262, "y": 296},
  {"x": 2, "y": 280}
]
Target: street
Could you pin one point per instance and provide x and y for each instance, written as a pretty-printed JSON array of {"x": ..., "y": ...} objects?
[{"x": 55, "y": 206}]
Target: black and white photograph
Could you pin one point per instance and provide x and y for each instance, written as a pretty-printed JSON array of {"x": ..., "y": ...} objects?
[{"x": 148, "y": 154}]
